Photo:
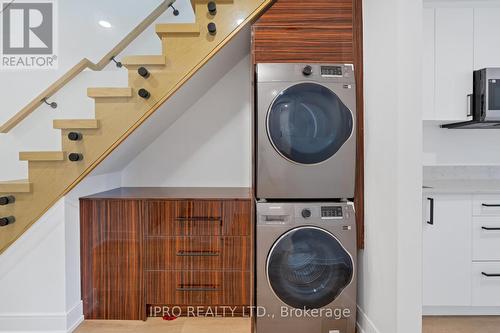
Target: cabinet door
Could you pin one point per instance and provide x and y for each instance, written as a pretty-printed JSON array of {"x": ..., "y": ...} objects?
[
  {"x": 447, "y": 251},
  {"x": 486, "y": 37},
  {"x": 454, "y": 62},
  {"x": 429, "y": 63}
]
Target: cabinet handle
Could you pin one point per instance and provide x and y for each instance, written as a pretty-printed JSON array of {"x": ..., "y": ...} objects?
[
  {"x": 198, "y": 254},
  {"x": 469, "y": 105},
  {"x": 491, "y": 205},
  {"x": 490, "y": 229},
  {"x": 490, "y": 275},
  {"x": 198, "y": 219},
  {"x": 431, "y": 220},
  {"x": 197, "y": 287}
]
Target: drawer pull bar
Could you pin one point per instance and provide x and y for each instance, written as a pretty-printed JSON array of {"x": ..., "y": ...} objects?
[
  {"x": 490, "y": 229},
  {"x": 196, "y": 287},
  {"x": 198, "y": 254},
  {"x": 198, "y": 219},
  {"x": 490, "y": 275},
  {"x": 491, "y": 205}
]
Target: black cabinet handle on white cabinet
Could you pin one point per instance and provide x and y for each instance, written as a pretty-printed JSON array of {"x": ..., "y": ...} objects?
[
  {"x": 490, "y": 229},
  {"x": 491, "y": 205},
  {"x": 431, "y": 219},
  {"x": 490, "y": 275}
]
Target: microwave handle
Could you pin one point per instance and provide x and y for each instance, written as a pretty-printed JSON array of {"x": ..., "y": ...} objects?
[{"x": 469, "y": 105}]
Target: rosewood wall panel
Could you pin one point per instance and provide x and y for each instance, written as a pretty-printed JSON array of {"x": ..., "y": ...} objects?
[
  {"x": 317, "y": 31},
  {"x": 112, "y": 260}
]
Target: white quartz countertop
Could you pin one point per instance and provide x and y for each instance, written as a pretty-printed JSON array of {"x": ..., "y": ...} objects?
[{"x": 488, "y": 186}]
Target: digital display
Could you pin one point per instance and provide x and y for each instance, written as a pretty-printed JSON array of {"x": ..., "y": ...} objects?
[
  {"x": 331, "y": 212},
  {"x": 331, "y": 70}
]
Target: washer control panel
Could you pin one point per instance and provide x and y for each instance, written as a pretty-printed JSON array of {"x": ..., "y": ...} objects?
[{"x": 331, "y": 212}]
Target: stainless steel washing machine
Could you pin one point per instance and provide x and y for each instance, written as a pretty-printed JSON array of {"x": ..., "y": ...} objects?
[
  {"x": 306, "y": 268},
  {"x": 306, "y": 126}
]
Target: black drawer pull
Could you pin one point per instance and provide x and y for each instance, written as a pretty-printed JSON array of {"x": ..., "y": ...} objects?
[
  {"x": 491, "y": 205},
  {"x": 490, "y": 275},
  {"x": 431, "y": 220},
  {"x": 197, "y": 287},
  {"x": 490, "y": 229},
  {"x": 198, "y": 254},
  {"x": 198, "y": 219}
]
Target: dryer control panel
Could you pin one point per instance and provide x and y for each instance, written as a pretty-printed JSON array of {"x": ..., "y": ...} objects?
[{"x": 331, "y": 212}]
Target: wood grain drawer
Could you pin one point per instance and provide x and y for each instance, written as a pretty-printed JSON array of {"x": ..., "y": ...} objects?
[
  {"x": 198, "y": 218},
  {"x": 198, "y": 253},
  {"x": 486, "y": 238},
  {"x": 183, "y": 218},
  {"x": 486, "y": 284},
  {"x": 484, "y": 205},
  {"x": 194, "y": 288}
]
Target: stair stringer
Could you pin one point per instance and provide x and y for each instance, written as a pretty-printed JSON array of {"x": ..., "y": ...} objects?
[{"x": 119, "y": 117}]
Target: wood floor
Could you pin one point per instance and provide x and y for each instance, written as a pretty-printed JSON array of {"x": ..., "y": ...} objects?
[
  {"x": 242, "y": 325},
  {"x": 461, "y": 324},
  {"x": 157, "y": 325}
]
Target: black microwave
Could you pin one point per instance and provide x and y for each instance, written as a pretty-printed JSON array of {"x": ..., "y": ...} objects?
[{"x": 484, "y": 103}]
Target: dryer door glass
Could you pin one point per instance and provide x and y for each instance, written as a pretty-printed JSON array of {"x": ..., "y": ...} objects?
[
  {"x": 308, "y": 268},
  {"x": 308, "y": 123}
]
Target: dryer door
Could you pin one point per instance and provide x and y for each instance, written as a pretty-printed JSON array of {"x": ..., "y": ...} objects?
[
  {"x": 308, "y": 268},
  {"x": 308, "y": 123}
]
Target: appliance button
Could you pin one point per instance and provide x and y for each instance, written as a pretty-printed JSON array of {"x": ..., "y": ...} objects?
[
  {"x": 306, "y": 213},
  {"x": 307, "y": 70}
]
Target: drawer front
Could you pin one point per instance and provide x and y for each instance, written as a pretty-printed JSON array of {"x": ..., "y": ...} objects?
[
  {"x": 198, "y": 253},
  {"x": 237, "y": 218},
  {"x": 184, "y": 218},
  {"x": 486, "y": 284},
  {"x": 486, "y": 238},
  {"x": 484, "y": 205},
  {"x": 196, "y": 288}
]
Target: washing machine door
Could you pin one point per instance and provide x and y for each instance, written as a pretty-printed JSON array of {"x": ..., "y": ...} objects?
[
  {"x": 308, "y": 268},
  {"x": 308, "y": 123}
]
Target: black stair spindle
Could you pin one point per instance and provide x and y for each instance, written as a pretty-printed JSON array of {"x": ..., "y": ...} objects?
[
  {"x": 7, "y": 200},
  {"x": 144, "y": 93},
  {"x": 5, "y": 221},
  {"x": 212, "y": 8},
  {"x": 212, "y": 28},
  {"x": 75, "y": 136},
  {"x": 143, "y": 71},
  {"x": 75, "y": 157}
]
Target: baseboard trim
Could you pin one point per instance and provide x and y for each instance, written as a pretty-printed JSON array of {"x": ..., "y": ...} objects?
[
  {"x": 461, "y": 311},
  {"x": 58, "y": 322},
  {"x": 364, "y": 324}
]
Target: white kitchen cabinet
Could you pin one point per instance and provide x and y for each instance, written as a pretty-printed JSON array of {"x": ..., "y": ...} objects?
[
  {"x": 454, "y": 61},
  {"x": 447, "y": 251},
  {"x": 428, "y": 64},
  {"x": 486, "y": 37},
  {"x": 486, "y": 284}
]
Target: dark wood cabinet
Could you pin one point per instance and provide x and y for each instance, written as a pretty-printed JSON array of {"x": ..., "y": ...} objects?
[{"x": 165, "y": 249}]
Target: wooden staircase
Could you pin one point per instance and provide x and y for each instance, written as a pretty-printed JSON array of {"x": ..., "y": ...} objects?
[{"x": 119, "y": 111}]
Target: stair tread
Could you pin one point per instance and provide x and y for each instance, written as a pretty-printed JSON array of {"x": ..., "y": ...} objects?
[
  {"x": 76, "y": 124},
  {"x": 15, "y": 186},
  {"x": 104, "y": 92},
  {"x": 42, "y": 156},
  {"x": 144, "y": 60},
  {"x": 178, "y": 29}
]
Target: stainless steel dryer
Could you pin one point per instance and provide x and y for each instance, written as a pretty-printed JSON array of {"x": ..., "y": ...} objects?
[
  {"x": 306, "y": 125},
  {"x": 306, "y": 268}
]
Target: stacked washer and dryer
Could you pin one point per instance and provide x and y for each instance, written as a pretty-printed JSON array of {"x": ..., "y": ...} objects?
[{"x": 305, "y": 174}]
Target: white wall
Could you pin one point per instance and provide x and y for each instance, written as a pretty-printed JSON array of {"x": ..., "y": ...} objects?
[
  {"x": 390, "y": 266},
  {"x": 80, "y": 36},
  {"x": 40, "y": 272},
  {"x": 209, "y": 145}
]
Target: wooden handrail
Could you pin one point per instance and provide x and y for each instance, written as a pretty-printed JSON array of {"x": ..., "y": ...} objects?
[{"x": 84, "y": 64}]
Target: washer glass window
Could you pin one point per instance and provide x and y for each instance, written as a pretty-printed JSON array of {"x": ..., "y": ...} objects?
[
  {"x": 308, "y": 123},
  {"x": 309, "y": 268}
]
